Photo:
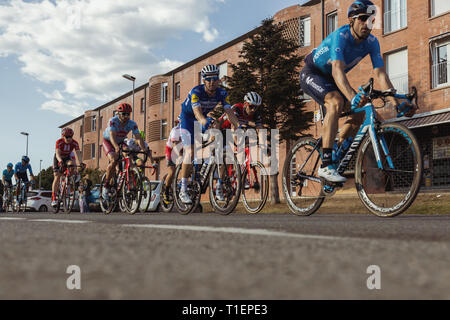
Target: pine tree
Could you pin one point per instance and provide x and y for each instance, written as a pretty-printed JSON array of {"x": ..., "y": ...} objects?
[{"x": 270, "y": 66}]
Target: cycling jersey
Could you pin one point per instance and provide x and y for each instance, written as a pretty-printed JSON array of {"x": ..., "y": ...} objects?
[
  {"x": 8, "y": 175},
  {"x": 175, "y": 136},
  {"x": 20, "y": 169},
  {"x": 121, "y": 130},
  {"x": 199, "y": 98},
  {"x": 243, "y": 118},
  {"x": 340, "y": 45},
  {"x": 65, "y": 149}
]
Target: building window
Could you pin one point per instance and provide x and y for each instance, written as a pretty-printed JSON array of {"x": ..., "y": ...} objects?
[
  {"x": 395, "y": 15},
  {"x": 93, "y": 151},
  {"x": 164, "y": 92},
  {"x": 223, "y": 73},
  {"x": 305, "y": 32},
  {"x": 200, "y": 79},
  {"x": 142, "y": 104},
  {"x": 164, "y": 129},
  {"x": 89, "y": 151},
  {"x": 94, "y": 123},
  {"x": 177, "y": 90},
  {"x": 439, "y": 6},
  {"x": 397, "y": 70},
  {"x": 440, "y": 69},
  {"x": 331, "y": 22}
]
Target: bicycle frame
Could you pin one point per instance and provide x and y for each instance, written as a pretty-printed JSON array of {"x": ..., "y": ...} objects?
[{"x": 367, "y": 127}]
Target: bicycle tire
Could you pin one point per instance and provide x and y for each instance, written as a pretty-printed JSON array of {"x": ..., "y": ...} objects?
[
  {"x": 313, "y": 196},
  {"x": 166, "y": 207},
  {"x": 193, "y": 189},
  {"x": 107, "y": 206},
  {"x": 132, "y": 198},
  {"x": 263, "y": 189},
  {"x": 69, "y": 195},
  {"x": 146, "y": 195},
  {"x": 231, "y": 185},
  {"x": 407, "y": 159}
]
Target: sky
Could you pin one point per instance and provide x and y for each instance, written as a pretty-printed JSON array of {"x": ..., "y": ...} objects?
[{"x": 59, "y": 58}]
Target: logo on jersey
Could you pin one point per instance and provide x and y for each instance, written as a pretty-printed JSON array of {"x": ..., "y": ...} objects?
[
  {"x": 320, "y": 52},
  {"x": 195, "y": 98},
  {"x": 310, "y": 82}
]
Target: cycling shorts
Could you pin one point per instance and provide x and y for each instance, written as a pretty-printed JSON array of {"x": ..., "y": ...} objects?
[
  {"x": 108, "y": 147},
  {"x": 23, "y": 176},
  {"x": 316, "y": 84},
  {"x": 56, "y": 167}
]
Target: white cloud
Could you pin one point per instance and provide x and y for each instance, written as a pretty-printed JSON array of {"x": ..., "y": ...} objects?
[
  {"x": 73, "y": 109},
  {"x": 88, "y": 44}
]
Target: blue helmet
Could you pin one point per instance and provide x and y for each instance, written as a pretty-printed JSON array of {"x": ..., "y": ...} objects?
[
  {"x": 26, "y": 159},
  {"x": 9, "y": 165},
  {"x": 361, "y": 6}
]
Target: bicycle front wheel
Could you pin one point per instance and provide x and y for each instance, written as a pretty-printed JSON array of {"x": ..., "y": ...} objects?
[
  {"x": 302, "y": 186},
  {"x": 166, "y": 205},
  {"x": 231, "y": 186},
  {"x": 146, "y": 195},
  {"x": 109, "y": 203},
  {"x": 389, "y": 191},
  {"x": 68, "y": 195},
  {"x": 193, "y": 190},
  {"x": 132, "y": 191},
  {"x": 255, "y": 187}
]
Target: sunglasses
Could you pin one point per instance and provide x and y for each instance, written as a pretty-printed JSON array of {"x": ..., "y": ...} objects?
[
  {"x": 126, "y": 114},
  {"x": 362, "y": 17},
  {"x": 252, "y": 107},
  {"x": 68, "y": 137},
  {"x": 212, "y": 79}
]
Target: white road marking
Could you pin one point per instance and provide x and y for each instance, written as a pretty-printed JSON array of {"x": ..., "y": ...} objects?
[
  {"x": 61, "y": 221},
  {"x": 261, "y": 232},
  {"x": 11, "y": 218}
]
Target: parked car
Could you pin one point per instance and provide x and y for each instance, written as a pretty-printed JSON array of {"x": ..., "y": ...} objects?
[
  {"x": 39, "y": 200},
  {"x": 156, "y": 196}
]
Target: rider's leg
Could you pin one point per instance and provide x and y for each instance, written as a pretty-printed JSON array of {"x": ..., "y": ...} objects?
[
  {"x": 334, "y": 102},
  {"x": 186, "y": 167},
  {"x": 113, "y": 157},
  {"x": 169, "y": 177},
  {"x": 55, "y": 184},
  {"x": 351, "y": 126}
]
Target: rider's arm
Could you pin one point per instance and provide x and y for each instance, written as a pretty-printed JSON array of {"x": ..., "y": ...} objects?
[
  {"x": 114, "y": 140},
  {"x": 341, "y": 80},
  {"x": 232, "y": 118},
  {"x": 199, "y": 115},
  {"x": 385, "y": 83},
  {"x": 58, "y": 155},
  {"x": 3, "y": 179}
]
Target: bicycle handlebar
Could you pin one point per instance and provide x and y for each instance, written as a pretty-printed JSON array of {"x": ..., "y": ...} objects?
[{"x": 377, "y": 94}]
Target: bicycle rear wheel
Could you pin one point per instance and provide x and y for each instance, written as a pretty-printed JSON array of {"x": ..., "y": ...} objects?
[
  {"x": 255, "y": 187},
  {"x": 146, "y": 195},
  {"x": 389, "y": 191},
  {"x": 231, "y": 184},
  {"x": 302, "y": 187},
  {"x": 132, "y": 191},
  {"x": 108, "y": 205},
  {"x": 193, "y": 190}
]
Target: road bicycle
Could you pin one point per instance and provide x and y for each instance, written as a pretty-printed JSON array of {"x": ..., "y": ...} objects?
[
  {"x": 66, "y": 193},
  {"x": 388, "y": 167},
  {"x": 206, "y": 175},
  {"x": 166, "y": 205},
  {"x": 22, "y": 198},
  {"x": 126, "y": 189},
  {"x": 8, "y": 198},
  {"x": 255, "y": 183}
]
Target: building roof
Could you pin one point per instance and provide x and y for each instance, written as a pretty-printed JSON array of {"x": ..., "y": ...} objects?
[{"x": 425, "y": 119}]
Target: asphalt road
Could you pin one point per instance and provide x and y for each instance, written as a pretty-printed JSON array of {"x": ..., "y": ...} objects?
[{"x": 208, "y": 256}]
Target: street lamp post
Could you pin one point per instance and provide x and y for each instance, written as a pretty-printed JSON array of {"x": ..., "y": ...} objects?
[
  {"x": 26, "y": 134},
  {"x": 40, "y": 173},
  {"x": 131, "y": 78}
]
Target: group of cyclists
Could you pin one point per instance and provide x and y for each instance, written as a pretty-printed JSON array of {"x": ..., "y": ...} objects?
[{"x": 323, "y": 78}]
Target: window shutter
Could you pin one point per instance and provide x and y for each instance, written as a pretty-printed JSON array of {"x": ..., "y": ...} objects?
[
  {"x": 87, "y": 124},
  {"x": 87, "y": 152},
  {"x": 154, "y": 131},
  {"x": 155, "y": 94}
]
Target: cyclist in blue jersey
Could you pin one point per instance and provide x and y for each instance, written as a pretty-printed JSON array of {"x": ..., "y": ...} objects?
[
  {"x": 200, "y": 101},
  {"x": 20, "y": 173},
  {"x": 7, "y": 175},
  {"x": 115, "y": 134},
  {"x": 324, "y": 78}
]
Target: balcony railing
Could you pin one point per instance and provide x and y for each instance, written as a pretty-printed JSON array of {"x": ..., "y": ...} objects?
[
  {"x": 400, "y": 82},
  {"x": 440, "y": 74},
  {"x": 395, "y": 19}
]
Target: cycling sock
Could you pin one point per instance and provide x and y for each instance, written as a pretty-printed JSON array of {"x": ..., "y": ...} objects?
[
  {"x": 53, "y": 196},
  {"x": 183, "y": 184},
  {"x": 327, "y": 157}
]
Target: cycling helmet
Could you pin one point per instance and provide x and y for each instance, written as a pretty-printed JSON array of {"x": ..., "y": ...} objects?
[
  {"x": 210, "y": 70},
  {"x": 66, "y": 132},
  {"x": 253, "y": 98},
  {"x": 131, "y": 143},
  {"x": 361, "y": 6},
  {"x": 9, "y": 165},
  {"x": 26, "y": 159},
  {"x": 124, "y": 107}
]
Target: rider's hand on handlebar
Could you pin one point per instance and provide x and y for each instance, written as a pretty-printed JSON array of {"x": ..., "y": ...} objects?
[
  {"x": 359, "y": 100},
  {"x": 406, "y": 109}
]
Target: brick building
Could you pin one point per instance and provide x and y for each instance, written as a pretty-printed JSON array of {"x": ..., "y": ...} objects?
[{"x": 414, "y": 36}]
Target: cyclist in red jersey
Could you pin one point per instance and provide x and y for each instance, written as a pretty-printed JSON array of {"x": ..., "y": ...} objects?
[
  {"x": 245, "y": 112},
  {"x": 64, "y": 156}
]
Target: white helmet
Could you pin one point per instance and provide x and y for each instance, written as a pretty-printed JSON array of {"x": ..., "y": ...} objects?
[
  {"x": 210, "y": 70},
  {"x": 131, "y": 143},
  {"x": 253, "y": 98}
]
